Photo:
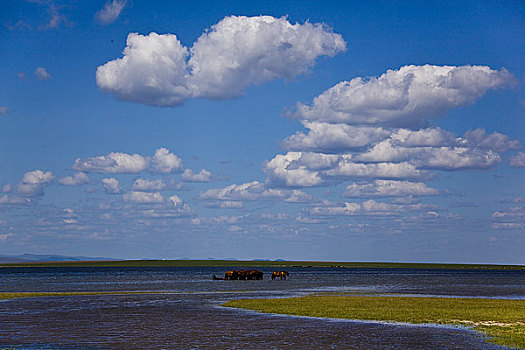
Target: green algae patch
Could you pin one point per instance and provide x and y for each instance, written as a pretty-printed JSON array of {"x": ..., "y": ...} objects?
[{"x": 502, "y": 320}]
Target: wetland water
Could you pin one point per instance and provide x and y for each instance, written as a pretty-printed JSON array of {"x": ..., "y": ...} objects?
[{"x": 189, "y": 315}]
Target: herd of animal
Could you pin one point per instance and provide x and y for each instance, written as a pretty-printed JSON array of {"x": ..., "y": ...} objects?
[{"x": 251, "y": 275}]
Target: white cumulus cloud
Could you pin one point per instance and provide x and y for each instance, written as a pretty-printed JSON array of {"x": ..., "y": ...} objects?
[
  {"x": 346, "y": 169},
  {"x": 518, "y": 160},
  {"x": 166, "y": 162},
  {"x": 148, "y": 185},
  {"x": 496, "y": 141},
  {"x": 75, "y": 180},
  {"x": 115, "y": 162},
  {"x": 328, "y": 138},
  {"x": 241, "y": 51},
  {"x": 234, "y": 54},
  {"x": 368, "y": 208},
  {"x": 33, "y": 183},
  {"x": 298, "y": 168},
  {"x": 405, "y": 97},
  {"x": 202, "y": 176},
  {"x": 144, "y": 197},
  {"x": 389, "y": 188},
  {"x": 111, "y": 186},
  {"x": 253, "y": 191},
  {"x": 163, "y": 161},
  {"x": 445, "y": 158}
]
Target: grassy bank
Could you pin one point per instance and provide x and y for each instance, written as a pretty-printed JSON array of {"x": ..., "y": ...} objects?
[
  {"x": 502, "y": 320},
  {"x": 276, "y": 264}
]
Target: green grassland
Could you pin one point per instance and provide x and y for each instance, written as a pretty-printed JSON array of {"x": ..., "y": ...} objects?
[
  {"x": 257, "y": 263},
  {"x": 503, "y": 321}
]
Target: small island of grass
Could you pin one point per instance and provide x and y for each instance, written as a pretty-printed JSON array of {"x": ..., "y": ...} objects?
[{"x": 500, "y": 319}]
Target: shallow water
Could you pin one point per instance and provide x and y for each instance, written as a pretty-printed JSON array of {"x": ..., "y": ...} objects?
[{"x": 191, "y": 318}]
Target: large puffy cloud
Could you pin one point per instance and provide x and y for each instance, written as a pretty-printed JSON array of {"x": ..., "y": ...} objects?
[
  {"x": 75, "y": 180},
  {"x": 235, "y": 53},
  {"x": 405, "y": 97},
  {"x": 152, "y": 71},
  {"x": 241, "y": 51},
  {"x": 33, "y": 183},
  {"x": 389, "y": 188}
]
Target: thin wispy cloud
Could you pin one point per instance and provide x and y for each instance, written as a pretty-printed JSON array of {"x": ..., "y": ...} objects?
[{"x": 111, "y": 11}]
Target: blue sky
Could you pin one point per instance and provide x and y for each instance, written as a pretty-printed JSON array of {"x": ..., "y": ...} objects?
[{"x": 342, "y": 131}]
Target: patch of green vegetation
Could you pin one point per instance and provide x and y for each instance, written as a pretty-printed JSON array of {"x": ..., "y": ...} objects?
[
  {"x": 500, "y": 319},
  {"x": 247, "y": 263},
  {"x": 13, "y": 295}
]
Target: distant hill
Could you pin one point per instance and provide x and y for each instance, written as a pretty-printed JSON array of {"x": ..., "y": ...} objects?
[
  {"x": 41, "y": 258},
  {"x": 11, "y": 260}
]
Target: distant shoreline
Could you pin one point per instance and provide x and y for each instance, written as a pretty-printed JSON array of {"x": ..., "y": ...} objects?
[{"x": 261, "y": 263}]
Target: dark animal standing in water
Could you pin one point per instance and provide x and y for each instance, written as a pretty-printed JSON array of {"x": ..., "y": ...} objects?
[
  {"x": 230, "y": 275},
  {"x": 281, "y": 274},
  {"x": 254, "y": 275},
  {"x": 243, "y": 275}
]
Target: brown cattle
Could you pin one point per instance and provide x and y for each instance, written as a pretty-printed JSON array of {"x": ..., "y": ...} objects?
[
  {"x": 281, "y": 274},
  {"x": 243, "y": 275}
]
